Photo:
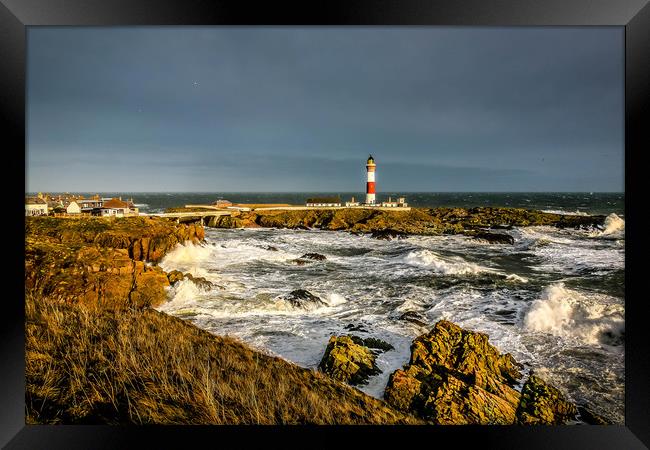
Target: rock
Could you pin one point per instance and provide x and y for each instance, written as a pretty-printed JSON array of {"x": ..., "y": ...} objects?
[
  {"x": 314, "y": 256},
  {"x": 414, "y": 317},
  {"x": 271, "y": 248},
  {"x": 200, "y": 282},
  {"x": 494, "y": 238},
  {"x": 302, "y": 297},
  {"x": 388, "y": 234},
  {"x": 456, "y": 377},
  {"x": 356, "y": 327},
  {"x": 175, "y": 276},
  {"x": 378, "y": 344},
  {"x": 590, "y": 417},
  {"x": 348, "y": 361},
  {"x": 543, "y": 404},
  {"x": 300, "y": 262}
]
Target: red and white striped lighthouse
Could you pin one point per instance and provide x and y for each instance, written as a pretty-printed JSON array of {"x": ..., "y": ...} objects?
[{"x": 370, "y": 185}]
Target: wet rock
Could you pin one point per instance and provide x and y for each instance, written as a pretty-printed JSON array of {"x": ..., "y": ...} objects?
[
  {"x": 356, "y": 327},
  {"x": 455, "y": 376},
  {"x": 302, "y": 297},
  {"x": 388, "y": 234},
  {"x": 414, "y": 317},
  {"x": 590, "y": 417},
  {"x": 348, "y": 361},
  {"x": 494, "y": 238},
  {"x": 175, "y": 276},
  {"x": 543, "y": 404},
  {"x": 271, "y": 248},
  {"x": 200, "y": 282},
  {"x": 378, "y": 344},
  {"x": 314, "y": 256},
  {"x": 300, "y": 262}
]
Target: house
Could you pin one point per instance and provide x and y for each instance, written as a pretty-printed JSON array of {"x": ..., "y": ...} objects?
[
  {"x": 352, "y": 202},
  {"x": 73, "y": 208},
  {"x": 87, "y": 206},
  {"x": 116, "y": 208},
  {"x": 323, "y": 201},
  {"x": 400, "y": 203},
  {"x": 35, "y": 206},
  {"x": 221, "y": 203}
]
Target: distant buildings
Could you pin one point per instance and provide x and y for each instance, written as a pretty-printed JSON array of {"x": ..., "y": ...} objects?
[
  {"x": 77, "y": 205},
  {"x": 371, "y": 201},
  {"x": 35, "y": 206}
]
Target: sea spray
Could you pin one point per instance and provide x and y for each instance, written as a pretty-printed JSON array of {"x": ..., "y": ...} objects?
[{"x": 565, "y": 312}]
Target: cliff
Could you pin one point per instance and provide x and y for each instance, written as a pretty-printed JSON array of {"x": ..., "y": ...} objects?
[
  {"x": 102, "y": 261},
  {"x": 425, "y": 221}
]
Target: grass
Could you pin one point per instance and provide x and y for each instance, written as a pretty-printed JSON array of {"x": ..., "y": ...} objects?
[{"x": 86, "y": 364}]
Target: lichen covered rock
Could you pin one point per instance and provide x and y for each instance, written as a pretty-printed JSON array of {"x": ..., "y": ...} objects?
[
  {"x": 543, "y": 404},
  {"x": 456, "y": 377},
  {"x": 348, "y": 361}
]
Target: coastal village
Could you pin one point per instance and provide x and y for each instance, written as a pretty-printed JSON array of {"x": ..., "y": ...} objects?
[{"x": 72, "y": 205}]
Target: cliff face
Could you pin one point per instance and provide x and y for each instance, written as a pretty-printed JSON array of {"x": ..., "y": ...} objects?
[
  {"x": 102, "y": 261},
  {"x": 416, "y": 221}
]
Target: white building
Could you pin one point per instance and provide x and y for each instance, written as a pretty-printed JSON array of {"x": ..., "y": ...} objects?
[
  {"x": 117, "y": 208},
  {"x": 73, "y": 208},
  {"x": 352, "y": 202},
  {"x": 35, "y": 206},
  {"x": 400, "y": 203}
]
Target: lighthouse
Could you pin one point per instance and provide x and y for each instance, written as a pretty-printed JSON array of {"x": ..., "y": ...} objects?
[{"x": 370, "y": 184}]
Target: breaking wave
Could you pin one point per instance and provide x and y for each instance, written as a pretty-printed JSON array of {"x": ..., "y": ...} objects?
[
  {"x": 451, "y": 265},
  {"x": 565, "y": 312},
  {"x": 613, "y": 224}
]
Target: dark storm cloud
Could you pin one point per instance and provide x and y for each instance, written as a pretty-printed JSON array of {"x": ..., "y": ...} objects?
[{"x": 218, "y": 109}]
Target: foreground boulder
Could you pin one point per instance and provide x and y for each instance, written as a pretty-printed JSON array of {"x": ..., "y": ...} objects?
[
  {"x": 456, "y": 377},
  {"x": 543, "y": 404},
  {"x": 347, "y": 359}
]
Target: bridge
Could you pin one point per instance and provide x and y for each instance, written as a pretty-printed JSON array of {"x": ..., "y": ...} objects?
[{"x": 199, "y": 215}]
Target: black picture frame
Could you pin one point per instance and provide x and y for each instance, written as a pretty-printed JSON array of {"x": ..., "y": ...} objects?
[{"x": 633, "y": 15}]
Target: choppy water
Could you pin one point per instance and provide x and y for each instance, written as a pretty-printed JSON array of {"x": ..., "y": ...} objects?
[{"x": 554, "y": 299}]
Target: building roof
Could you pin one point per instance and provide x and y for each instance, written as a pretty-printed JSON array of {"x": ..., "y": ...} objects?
[
  {"x": 115, "y": 203},
  {"x": 324, "y": 200},
  {"x": 371, "y": 160},
  {"x": 35, "y": 201}
]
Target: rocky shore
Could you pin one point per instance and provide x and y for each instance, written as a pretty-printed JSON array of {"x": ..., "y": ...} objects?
[
  {"x": 423, "y": 221},
  {"x": 96, "y": 351}
]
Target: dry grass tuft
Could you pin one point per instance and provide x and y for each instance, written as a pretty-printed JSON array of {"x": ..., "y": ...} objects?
[{"x": 86, "y": 364}]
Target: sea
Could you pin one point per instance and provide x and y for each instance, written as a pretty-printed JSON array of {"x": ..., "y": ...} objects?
[{"x": 555, "y": 299}]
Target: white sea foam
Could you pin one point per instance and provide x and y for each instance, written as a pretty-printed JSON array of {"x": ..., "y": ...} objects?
[
  {"x": 613, "y": 224},
  {"x": 450, "y": 265},
  {"x": 568, "y": 313},
  {"x": 566, "y": 213}
]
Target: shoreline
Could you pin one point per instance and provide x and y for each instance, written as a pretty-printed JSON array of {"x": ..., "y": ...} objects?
[{"x": 137, "y": 246}]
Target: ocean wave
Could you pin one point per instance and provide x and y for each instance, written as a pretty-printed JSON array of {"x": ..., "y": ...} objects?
[
  {"x": 565, "y": 213},
  {"x": 449, "y": 265},
  {"x": 613, "y": 225},
  {"x": 569, "y": 313}
]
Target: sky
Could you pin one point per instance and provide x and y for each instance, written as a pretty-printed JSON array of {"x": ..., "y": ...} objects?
[{"x": 234, "y": 109}]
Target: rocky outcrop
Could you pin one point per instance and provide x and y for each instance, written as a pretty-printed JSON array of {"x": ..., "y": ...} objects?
[
  {"x": 347, "y": 359},
  {"x": 456, "y": 377},
  {"x": 388, "y": 235},
  {"x": 176, "y": 275},
  {"x": 414, "y": 317},
  {"x": 314, "y": 256},
  {"x": 493, "y": 238},
  {"x": 543, "y": 404},
  {"x": 101, "y": 261},
  {"x": 302, "y": 298},
  {"x": 389, "y": 224}
]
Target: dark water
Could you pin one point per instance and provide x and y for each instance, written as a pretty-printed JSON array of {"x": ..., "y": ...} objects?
[{"x": 571, "y": 202}]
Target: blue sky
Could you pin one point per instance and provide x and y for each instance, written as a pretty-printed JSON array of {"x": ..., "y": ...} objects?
[{"x": 298, "y": 109}]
